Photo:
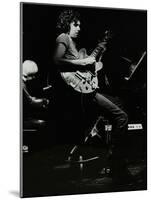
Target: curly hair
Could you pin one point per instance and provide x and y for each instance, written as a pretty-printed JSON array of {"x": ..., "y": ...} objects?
[{"x": 65, "y": 18}]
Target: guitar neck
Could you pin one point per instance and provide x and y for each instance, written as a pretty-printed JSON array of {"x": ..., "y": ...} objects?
[
  {"x": 97, "y": 50},
  {"x": 100, "y": 47}
]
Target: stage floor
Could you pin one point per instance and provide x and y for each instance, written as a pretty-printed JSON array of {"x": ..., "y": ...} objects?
[{"x": 47, "y": 172}]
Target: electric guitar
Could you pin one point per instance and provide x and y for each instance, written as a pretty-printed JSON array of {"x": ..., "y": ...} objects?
[{"x": 87, "y": 81}]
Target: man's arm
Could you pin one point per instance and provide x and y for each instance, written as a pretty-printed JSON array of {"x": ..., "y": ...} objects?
[
  {"x": 33, "y": 101},
  {"x": 70, "y": 65}
]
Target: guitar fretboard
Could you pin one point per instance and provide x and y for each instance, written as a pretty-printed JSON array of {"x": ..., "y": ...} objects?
[{"x": 96, "y": 51}]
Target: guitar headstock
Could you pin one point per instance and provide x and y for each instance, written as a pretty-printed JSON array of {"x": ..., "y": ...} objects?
[
  {"x": 106, "y": 37},
  {"x": 101, "y": 47}
]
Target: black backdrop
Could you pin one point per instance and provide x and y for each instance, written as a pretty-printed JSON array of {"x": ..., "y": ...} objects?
[
  {"x": 129, "y": 40},
  {"x": 129, "y": 29}
]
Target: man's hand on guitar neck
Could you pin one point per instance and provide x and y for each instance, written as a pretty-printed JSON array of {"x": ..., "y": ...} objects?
[{"x": 89, "y": 60}]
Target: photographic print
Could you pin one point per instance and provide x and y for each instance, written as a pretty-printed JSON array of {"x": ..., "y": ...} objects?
[{"x": 83, "y": 99}]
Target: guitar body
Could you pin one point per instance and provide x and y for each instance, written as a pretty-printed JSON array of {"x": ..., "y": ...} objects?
[
  {"x": 84, "y": 82},
  {"x": 87, "y": 81}
]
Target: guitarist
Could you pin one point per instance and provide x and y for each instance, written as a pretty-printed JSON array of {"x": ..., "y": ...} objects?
[{"x": 67, "y": 59}]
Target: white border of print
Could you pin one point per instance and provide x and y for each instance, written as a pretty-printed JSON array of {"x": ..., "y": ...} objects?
[{"x": 9, "y": 99}]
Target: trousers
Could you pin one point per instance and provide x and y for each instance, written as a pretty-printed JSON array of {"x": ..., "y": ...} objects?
[
  {"x": 114, "y": 113},
  {"x": 119, "y": 120}
]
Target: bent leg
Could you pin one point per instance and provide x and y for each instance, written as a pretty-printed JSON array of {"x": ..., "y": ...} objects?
[{"x": 117, "y": 116}]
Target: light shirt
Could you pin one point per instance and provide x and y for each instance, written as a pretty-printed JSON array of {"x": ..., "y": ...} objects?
[{"x": 71, "y": 50}]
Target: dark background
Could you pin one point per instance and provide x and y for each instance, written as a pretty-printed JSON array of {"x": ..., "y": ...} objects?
[
  {"x": 129, "y": 29},
  {"x": 41, "y": 176}
]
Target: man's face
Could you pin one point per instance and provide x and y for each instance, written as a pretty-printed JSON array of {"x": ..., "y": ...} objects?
[{"x": 74, "y": 29}]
